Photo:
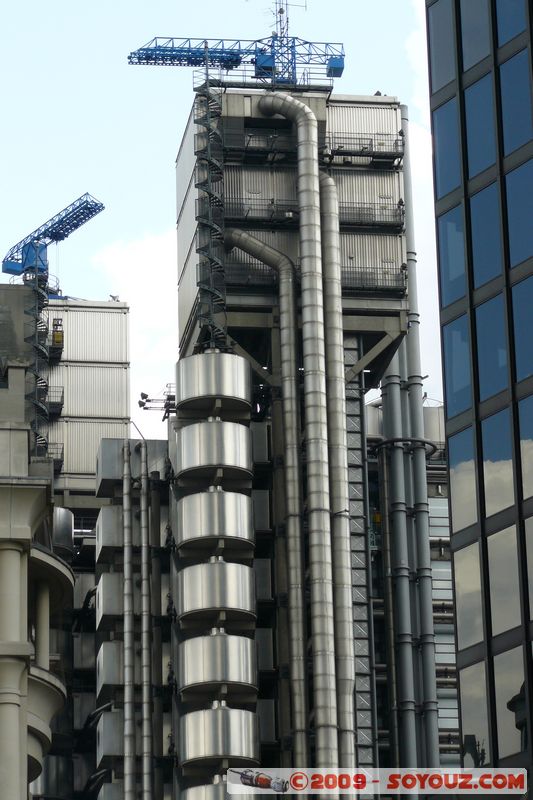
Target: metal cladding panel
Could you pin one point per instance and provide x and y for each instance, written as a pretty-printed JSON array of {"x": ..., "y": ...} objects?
[
  {"x": 187, "y": 292},
  {"x": 63, "y": 531},
  {"x": 219, "y": 732},
  {"x": 363, "y": 118},
  {"x": 85, "y": 581},
  {"x": 110, "y": 532},
  {"x": 371, "y": 250},
  {"x": 356, "y": 186},
  {"x": 81, "y": 439},
  {"x": 84, "y": 650},
  {"x": 93, "y": 333},
  {"x": 260, "y": 183},
  {"x": 284, "y": 241},
  {"x": 214, "y": 515},
  {"x": 92, "y": 390},
  {"x": 109, "y": 597},
  {"x": 186, "y": 227},
  {"x": 442, "y": 587},
  {"x": 217, "y": 659},
  {"x": 434, "y": 424},
  {"x": 213, "y": 444},
  {"x": 439, "y": 521},
  {"x": 55, "y": 780},
  {"x": 216, "y": 585},
  {"x": 224, "y": 376},
  {"x": 185, "y": 161}
]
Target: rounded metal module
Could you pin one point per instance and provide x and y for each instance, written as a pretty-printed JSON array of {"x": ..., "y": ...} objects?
[
  {"x": 211, "y": 376},
  {"x": 204, "y": 448},
  {"x": 205, "y": 518},
  {"x": 217, "y": 733},
  {"x": 207, "y": 662},
  {"x": 211, "y": 791},
  {"x": 206, "y": 591}
]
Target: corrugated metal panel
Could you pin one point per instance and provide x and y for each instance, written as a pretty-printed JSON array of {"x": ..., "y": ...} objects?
[
  {"x": 81, "y": 440},
  {"x": 187, "y": 291},
  {"x": 185, "y": 162},
  {"x": 92, "y": 391},
  {"x": 260, "y": 183},
  {"x": 186, "y": 226},
  {"x": 370, "y": 250},
  {"x": 363, "y": 118},
  {"x": 439, "y": 523},
  {"x": 93, "y": 334},
  {"x": 285, "y": 241},
  {"x": 442, "y": 580},
  {"x": 364, "y": 186}
]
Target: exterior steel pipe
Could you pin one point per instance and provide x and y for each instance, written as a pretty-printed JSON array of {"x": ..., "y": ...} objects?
[
  {"x": 157, "y": 661},
  {"x": 289, "y": 382},
  {"x": 129, "y": 711},
  {"x": 421, "y": 506},
  {"x": 146, "y": 634},
  {"x": 392, "y": 424},
  {"x": 316, "y": 425},
  {"x": 338, "y": 471}
]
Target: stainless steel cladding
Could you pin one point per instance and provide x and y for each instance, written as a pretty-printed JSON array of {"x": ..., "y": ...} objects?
[
  {"x": 93, "y": 332},
  {"x": 370, "y": 117},
  {"x": 201, "y": 378},
  {"x": 434, "y": 424},
  {"x": 97, "y": 391},
  {"x": 219, "y": 733},
  {"x": 206, "y": 662},
  {"x": 109, "y": 535},
  {"x": 204, "y": 518},
  {"x": 213, "y": 444},
  {"x": 378, "y": 187},
  {"x": 257, "y": 183},
  {"x": 216, "y": 586},
  {"x": 63, "y": 532}
]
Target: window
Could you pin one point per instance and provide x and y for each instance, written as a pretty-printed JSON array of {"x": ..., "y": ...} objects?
[
  {"x": 516, "y": 102},
  {"x": 474, "y": 720},
  {"x": 457, "y": 366},
  {"x": 522, "y": 305},
  {"x": 511, "y": 19},
  {"x": 463, "y": 492},
  {"x": 486, "y": 235},
  {"x": 491, "y": 339},
  {"x": 511, "y": 714},
  {"x": 497, "y": 461},
  {"x": 480, "y": 129},
  {"x": 475, "y": 30},
  {"x": 446, "y": 145},
  {"x": 503, "y": 581},
  {"x": 451, "y": 256},
  {"x": 441, "y": 44},
  {"x": 468, "y": 605},
  {"x": 525, "y": 412},
  {"x": 529, "y": 553},
  {"x": 520, "y": 213}
]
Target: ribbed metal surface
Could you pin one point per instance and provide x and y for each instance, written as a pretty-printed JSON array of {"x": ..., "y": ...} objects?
[
  {"x": 93, "y": 332},
  {"x": 81, "y": 440},
  {"x": 434, "y": 424},
  {"x": 217, "y": 733},
  {"x": 370, "y": 250},
  {"x": 213, "y": 587},
  {"x": 209, "y": 516},
  {"x": 213, "y": 443},
  {"x": 63, "y": 533},
  {"x": 92, "y": 391},
  {"x": 186, "y": 227},
  {"x": 185, "y": 162},
  {"x": 363, "y": 118},
  {"x": 208, "y": 661},
  {"x": 259, "y": 182},
  {"x": 367, "y": 186},
  {"x": 224, "y": 376}
]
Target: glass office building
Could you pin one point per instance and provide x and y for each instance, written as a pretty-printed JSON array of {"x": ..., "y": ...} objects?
[{"x": 482, "y": 122}]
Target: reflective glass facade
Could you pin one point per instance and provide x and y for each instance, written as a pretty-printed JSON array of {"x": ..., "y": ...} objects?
[{"x": 482, "y": 118}]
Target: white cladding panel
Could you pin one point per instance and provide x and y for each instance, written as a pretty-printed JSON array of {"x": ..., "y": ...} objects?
[
  {"x": 187, "y": 291},
  {"x": 92, "y": 390},
  {"x": 93, "y": 333},
  {"x": 81, "y": 440},
  {"x": 187, "y": 226},
  {"x": 362, "y": 118},
  {"x": 261, "y": 183},
  {"x": 370, "y": 250},
  {"x": 185, "y": 162},
  {"x": 358, "y": 186}
]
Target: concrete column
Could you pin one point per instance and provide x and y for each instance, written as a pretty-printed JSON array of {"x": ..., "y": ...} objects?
[
  {"x": 42, "y": 626},
  {"x": 11, "y": 602}
]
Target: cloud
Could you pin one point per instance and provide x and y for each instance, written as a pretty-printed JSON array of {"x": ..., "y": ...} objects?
[{"x": 142, "y": 272}]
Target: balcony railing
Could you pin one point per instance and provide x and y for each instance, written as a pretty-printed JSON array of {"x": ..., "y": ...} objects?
[
  {"x": 55, "y": 453},
  {"x": 286, "y": 212},
  {"x": 372, "y": 215},
  {"x": 55, "y": 399}
]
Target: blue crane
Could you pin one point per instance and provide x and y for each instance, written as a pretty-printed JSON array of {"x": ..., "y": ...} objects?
[{"x": 31, "y": 252}]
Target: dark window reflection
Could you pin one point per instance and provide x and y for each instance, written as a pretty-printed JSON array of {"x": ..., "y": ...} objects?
[
  {"x": 503, "y": 575},
  {"x": 474, "y": 720},
  {"x": 511, "y": 714},
  {"x": 480, "y": 128},
  {"x": 491, "y": 341},
  {"x": 441, "y": 44},
  {"x": 475, "y": 30},
  {"x": 463, "y": 494},
  {"x": 522, "y": 312},
  {"x": 446, "y": 146},
  {"x": 497, "y": 462},
  {"x": 457, "y": 366},
  {"x": 467, "y": 581},
  {"x": 486, "y": 235},
  {"x": 452, "y": 256},
  {"x": 511, "y": 19},
  {"x": 516, "y": 102},
  {"x": 529, "y": 553},
  {"x": 525, "y": 411},
  {"x": 520, "y": 213}
]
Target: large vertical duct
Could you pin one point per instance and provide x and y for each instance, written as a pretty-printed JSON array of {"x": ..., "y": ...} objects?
[
  {"x": 316, "y": 428},
  {"x": 421, "y": 507},
  {"x": 157, "y": 658},
  {"x": 129, "y": 720},
  {"x": 146, "y": 638},
  {"x": 293, "y": 491},
  {"x": 338, "y": 471},
  {"x": 392, "y": 424}
]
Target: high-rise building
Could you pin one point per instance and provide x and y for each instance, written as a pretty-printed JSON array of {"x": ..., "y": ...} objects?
[{"x": 482, "y": 121}]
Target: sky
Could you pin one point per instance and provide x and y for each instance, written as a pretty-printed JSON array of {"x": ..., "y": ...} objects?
[{"x": 77, "y": 118}]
